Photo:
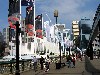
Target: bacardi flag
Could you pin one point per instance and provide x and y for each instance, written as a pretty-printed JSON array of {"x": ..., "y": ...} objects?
[{"x": 27, "y": 2}]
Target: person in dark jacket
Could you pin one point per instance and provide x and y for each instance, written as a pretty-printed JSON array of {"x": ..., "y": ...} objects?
[
  {"x": 41, "y": 62},
  {"x": 69, "y": 60},
  {"x": 73, "y": 60}
]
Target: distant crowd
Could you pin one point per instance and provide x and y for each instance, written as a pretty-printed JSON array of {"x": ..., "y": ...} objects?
[
  {"x": 71, "y": 58},
  {"x": 45, "y": 62}
]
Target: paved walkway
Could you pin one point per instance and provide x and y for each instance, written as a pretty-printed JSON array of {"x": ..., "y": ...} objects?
[
  {"x": 85, "y": 67},
  {"x": 78, "y": 70},
  {"x": 92, "y": 66}
]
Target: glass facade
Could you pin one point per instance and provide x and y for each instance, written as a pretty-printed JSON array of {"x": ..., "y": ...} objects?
[{"x": 85, "y": 26}]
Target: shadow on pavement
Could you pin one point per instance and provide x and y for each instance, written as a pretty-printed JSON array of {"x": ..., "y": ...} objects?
[
  {"x": 90, "y": 68},
  {"x": 62, "y": 74}
]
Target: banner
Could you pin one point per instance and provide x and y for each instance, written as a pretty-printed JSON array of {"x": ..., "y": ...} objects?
[
  {"x": 29, "y": 19},
  {"x": 38, "y": 22},
  {"x": 27, "y": 2},
  {"x": 38, "y": 26}
]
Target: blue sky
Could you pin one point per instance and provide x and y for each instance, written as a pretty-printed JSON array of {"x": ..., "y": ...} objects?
[{"x": 69, "y": 10}]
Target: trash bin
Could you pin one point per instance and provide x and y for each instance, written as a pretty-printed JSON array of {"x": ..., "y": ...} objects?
[{"x": 58, "y": 65}]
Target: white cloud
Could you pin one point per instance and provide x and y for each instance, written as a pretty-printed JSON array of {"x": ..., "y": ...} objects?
[{"x": 69, "y": 10}]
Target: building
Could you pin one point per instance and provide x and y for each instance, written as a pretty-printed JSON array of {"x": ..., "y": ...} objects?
[
  {"x": 85, "y": 26},
  {"x": 66, "y": 33},
  {"x": 66, "y": 40},
  {"x": 75, "y": 32},
  {"x": 75, "y": 29},
  {"x": 1, "y": 37},
  {"x": 6, "y": 35}
]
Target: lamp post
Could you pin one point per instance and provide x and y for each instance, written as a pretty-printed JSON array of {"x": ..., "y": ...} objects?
[
  {"x": 60, "y": 52},
  {"x": 56, "y": 15},
  {"x": 17, "y": 49}
]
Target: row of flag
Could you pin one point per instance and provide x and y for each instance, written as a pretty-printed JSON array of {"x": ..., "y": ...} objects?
[{"x": 38, "y": 20}]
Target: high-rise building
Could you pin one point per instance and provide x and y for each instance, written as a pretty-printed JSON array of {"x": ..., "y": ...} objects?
[
  {"x": 75, "y": 32},
  {"x": 75, "y": 29},
  {"x": 6, "y": 35},
  {"x": 85, "y": 26},
  {"x": 1, "y": 37}
]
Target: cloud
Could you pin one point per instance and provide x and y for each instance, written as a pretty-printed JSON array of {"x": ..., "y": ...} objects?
[
  {"x": 64, "y": 6},
  {"x": 69, "y": 10}
]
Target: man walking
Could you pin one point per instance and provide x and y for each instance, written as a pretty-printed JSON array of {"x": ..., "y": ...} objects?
[
  {"x": 47, "y": 63},
  {"x": 35, "y": 63},
  {"x": 41, "y": 62}
]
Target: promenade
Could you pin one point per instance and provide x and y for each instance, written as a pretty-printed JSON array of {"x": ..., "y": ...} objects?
[{"x": 85, "y": 67}]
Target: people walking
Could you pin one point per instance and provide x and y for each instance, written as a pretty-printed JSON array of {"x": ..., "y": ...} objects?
[
  {"x": 47, "y": 63},
  {"x": 41, "y": 62},
  {"x": 35, "y": 63},
  {"x": 66, "y": 55},
  {"x": 73, "y": 60},
  {"x": 69, "y": 60},
  {"x": 80, "y": 57}
]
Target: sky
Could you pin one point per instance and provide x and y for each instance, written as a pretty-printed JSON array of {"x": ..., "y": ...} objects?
[{"x": 68, "y": 10}]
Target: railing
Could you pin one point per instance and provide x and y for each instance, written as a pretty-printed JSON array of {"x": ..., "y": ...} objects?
[{"x": 9, "y": 67}]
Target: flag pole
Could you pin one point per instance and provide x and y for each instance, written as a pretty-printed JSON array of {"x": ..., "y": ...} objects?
[
  {"x": 18, "y": 38},
  {"x": 34, "y": 30},
  {"x": 20, "y": 33},
  {"x": 43, "y": 33}
]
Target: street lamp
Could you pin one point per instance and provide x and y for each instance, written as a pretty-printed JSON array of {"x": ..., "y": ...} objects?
[
  {"x": 60, "y": 52},
  {"x": 17, "y": 49},
  {"x": 56, "y": 15}
]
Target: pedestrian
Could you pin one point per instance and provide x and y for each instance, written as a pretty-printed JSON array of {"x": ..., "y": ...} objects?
[
  {"x": 44, "y": 64},
  {"x": 47, "y": 63},
  {"x": 66, "y": 58},
  {"x": 35, "y": 63},
  {"x": 79, "y": 56},
  {"x": 73, "y": 60},
  {"x": 66, "y": 55},
  {"x": 41, "y": 62},
  {"x": 69, "y": 60}
]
